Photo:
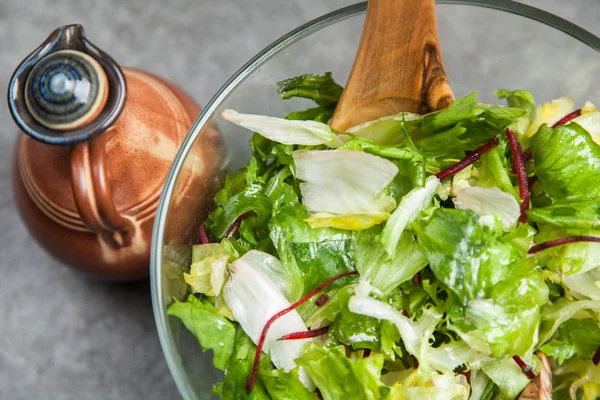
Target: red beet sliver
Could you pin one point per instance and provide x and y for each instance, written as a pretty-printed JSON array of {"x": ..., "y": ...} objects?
[
  {"x": 236, "y": 224},
  {"x": 596, "y": 358},
  {"x": 470, "y": 159},
  {"x": 519, "y": 160},
  {"x": 527, "y": 370},
  {"x": 348, "y": 352},
  {"x": 202, "y": 236},
  {"x": 263, "y": 334},
  {"x": 567, "y": 118},
  {"x": 322, "y": 300},
  {"x": 527, "y": 155},
  {"x": 561, "y": 241},
  {"x": 416, "y": 279},
  {"x": 305, "y": 334},
  {"x": 366, "y": 353}
]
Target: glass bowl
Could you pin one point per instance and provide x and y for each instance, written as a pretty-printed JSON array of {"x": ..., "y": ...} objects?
[{"x": 486, "y": 45}]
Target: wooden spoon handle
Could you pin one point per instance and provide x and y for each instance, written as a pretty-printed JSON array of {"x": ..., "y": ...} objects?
[{"x": 398, "y": 65}]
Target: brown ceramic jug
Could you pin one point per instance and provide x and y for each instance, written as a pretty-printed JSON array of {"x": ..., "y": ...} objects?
[{"x": 98, "y": 144}]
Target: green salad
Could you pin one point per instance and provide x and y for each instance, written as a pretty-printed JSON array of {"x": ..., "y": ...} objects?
[{"x": 437, "y": 256}]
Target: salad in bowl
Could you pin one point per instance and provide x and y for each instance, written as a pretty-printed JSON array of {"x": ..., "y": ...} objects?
[{"x": 451, "y": 255}]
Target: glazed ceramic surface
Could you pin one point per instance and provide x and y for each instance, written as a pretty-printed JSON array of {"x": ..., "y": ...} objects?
[{"x": 97, "y": 147}]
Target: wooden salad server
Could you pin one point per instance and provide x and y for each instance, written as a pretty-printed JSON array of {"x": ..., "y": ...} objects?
[{"x": 399, "y": 68}]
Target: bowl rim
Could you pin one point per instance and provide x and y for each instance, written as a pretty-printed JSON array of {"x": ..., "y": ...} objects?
[{"x": 156, "y": 252}]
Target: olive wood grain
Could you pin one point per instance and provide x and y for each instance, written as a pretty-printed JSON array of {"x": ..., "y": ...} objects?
[{"x": 398, "y": 66}]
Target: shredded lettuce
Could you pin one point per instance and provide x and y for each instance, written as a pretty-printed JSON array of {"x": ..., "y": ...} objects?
[{"x": 445, "y": 283}]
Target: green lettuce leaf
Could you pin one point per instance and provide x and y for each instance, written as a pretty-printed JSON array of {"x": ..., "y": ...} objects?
[
  {"x": 230, "y": 206},
  {"x": 578, "y": 337},
  {"x": 375, "y": 265},
  {"x": 318, "y": 87},
  {"x": 341, "y": 377},
  {"x": 577, "y": 378},
  {"x": 213, "y": 331},
  {"x": 568, "y": 214},
  {"x": 358, "y": 331},
  {"x": 518, "y": 98},
  {"x": 319, "y": 114},
  {"x": 437, "y": 387},
  {"x": 553, "y": 315},
  {"x": 283, "y": 385},
  {"x": 389, "y": 130},
  {"x": 507, "y": 376},
  {"x": 309, "y": 256},
  {"x": 458, "y": 246},
  {"x": 493, "y": 170},
  {"x": 464, "y": 126},
  {"x": 496, "y": 294},
  {"x": 584, "y": 285},
  {"x": 567, "y": 162},
  {"x": 389, "y": 152},
  {"x": 239, "y": 367},
  {"x": 571, "y": 259},
  {"x": 271, "y": 152}
]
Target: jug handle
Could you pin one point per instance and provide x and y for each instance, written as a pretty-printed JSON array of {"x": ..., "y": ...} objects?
[{"x": 92, "y": 193}]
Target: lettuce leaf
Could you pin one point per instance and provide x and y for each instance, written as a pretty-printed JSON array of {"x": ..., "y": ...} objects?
[
  {"x": 549, "y": 113},
  {"x": 241, "y": 193},
  {"x": 389, "y": 130},
  {"x": 239, "y": 367},
  {"x": 254, "y": 297},
  {"x": 553, "y": 315},
  {"x": 285, "y": 131},
  {"x": 584, "y": 285},
  {"x": 464, "y": 126},
  {"x": 583, "y": 214},
  {"x": 341, "y": 377},
  {"x": 408, "y": 210},
  {"x": 318, "y": 87},
  {"x": 283, "y": 385},
  {"x": 567, "y": 162},
  {"x": 213, "y": 331},
  {"x": 438, "y": 387},
  {"x": 344, "y": 181},
  {"x": 507, "y": 375},
  {"x": 309, "y": 256},
  {"x": 376, "y": 266},
  {"x": 358, "y": 331},
  {"x": 493, "y": 170},
  {"x": 496, "y": 294},
  {"x": 578, "y": 337},
  {"x": 518, "y": 98},
  {"x": 578, "y": 379},
  {"x": 489, "y": 201}
]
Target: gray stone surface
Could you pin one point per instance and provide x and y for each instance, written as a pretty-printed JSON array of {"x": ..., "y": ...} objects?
[{"x": 64, "y": 336}]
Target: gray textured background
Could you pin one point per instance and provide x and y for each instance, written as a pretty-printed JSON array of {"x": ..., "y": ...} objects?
[{"x": 63, "y": 336}]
